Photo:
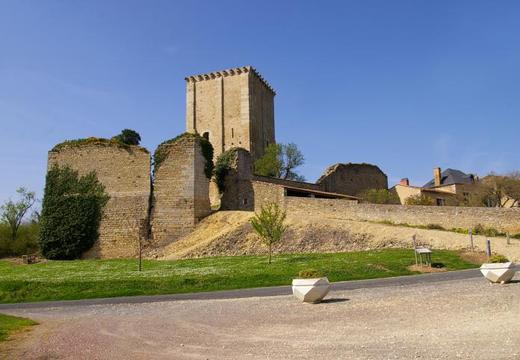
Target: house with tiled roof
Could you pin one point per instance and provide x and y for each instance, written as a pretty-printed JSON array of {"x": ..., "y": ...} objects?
[{"x": 444, "y": 189}]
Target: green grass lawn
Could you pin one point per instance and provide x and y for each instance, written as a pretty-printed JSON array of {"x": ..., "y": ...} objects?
[
  {"x": 10, "y": 324},
  {"x": 81, "y": 279}
]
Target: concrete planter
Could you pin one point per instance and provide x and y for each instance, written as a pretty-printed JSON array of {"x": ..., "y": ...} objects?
[
  {"x": 311, "y": 290},
  {"x": 498, "y": 272}
]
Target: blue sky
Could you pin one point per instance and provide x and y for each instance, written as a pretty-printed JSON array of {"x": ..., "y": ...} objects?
[{"x": 406, "y": 85}]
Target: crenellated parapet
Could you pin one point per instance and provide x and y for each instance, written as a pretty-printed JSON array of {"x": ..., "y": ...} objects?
[
  {"x": 230, "y": 72},
  {"x": 232, "y": 108}
]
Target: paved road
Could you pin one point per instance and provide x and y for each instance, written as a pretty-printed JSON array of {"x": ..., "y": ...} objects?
[
  {"x": 419, "y": 318},
  {"x": 255, "y": 292}
]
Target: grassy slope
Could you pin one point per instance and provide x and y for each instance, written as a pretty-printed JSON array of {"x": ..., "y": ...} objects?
[
  {"x": 59, "y": 280},
  {"x": 9, "y": 324}
]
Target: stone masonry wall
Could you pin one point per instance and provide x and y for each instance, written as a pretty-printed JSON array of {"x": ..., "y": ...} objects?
[
  {"x": 238, "y": 193},
  {"x": 291, "y": 183},
  {"x": 261, "y": 116},
  {"x": 180, "y": 196},
  {"x": 235, "y": 107},
  {"x": 352, "y": 179},
  {"x": 446, "y": 216},
  {"x": 265, "y": 192},
  {"x": 125, "y": 173}
]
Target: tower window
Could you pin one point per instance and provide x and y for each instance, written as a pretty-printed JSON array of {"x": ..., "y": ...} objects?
[{"x": 232, "y": 132}]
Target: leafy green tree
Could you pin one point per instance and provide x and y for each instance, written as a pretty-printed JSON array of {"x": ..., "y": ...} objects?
[
  {"x": 419, "y": 199},
  {"x": 280, "y": 161},
  {"x": 379, "y": 196},
  {"x": 71, "y": 213},
  {"x": 128, "y": 137},
  {"x": 269, "y": 164},
  {"x": 13, "y": 213},
  {"x": 269, "y": 225}
]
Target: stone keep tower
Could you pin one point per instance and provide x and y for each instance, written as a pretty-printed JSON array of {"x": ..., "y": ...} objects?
[{"x": 232, "y": 108}]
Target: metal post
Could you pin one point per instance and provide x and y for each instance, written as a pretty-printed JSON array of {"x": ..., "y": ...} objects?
[
  {"x": 140, "y": 254},
  {"x": 488, "y": 247},
  {"x": 414, "y": 248},
  {"x": 471, "y": 239},
  {"x": 508, "y": 239},
  {"x": 140, "y": 237}
]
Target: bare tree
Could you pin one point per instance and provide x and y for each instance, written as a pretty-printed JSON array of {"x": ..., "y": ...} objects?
[
  {"x": 502, "y": 190},
  {"x": 13, "y": 212}
]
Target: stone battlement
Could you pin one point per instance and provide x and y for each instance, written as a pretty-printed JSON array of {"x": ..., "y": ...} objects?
[{"x": 229, "y": 72}]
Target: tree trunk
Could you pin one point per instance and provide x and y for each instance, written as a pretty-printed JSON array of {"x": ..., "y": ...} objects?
[
  {"x": 269, "y": 253},
  {"x": 13, "y": 234}
]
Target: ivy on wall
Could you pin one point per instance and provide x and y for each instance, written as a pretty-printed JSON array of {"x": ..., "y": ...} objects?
[
  {"x": 161, "y": 153},
  {"x": 222, "y": 166},
  {"x": 126, "y": 139},
  {"x": 71, "y": 213}
]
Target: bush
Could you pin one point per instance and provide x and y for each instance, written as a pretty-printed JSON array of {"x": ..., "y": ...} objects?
[
  {"x": 89, "y": 141},
  {"x": 222, "y": 167},
  {"x": 310, "y": 274},
  {"x": 379, "y": 196},
  {"x": 128, "y": 137},
  {"x": 26, "y": 240},
  {"x": 419, "y": 199},
  {"x": 480, "y": 229},
  {"x": 434, "y": 227},
  {"x": 498, "y": 259},
  {"x": 459, "y": 230},
  {"x": 71, "y": 213}
]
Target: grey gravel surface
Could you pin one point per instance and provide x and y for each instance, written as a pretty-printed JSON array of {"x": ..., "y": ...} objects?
[{"x": 458, "y": 319}]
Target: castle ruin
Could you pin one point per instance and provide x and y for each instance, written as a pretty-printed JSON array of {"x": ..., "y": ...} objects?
[
  {"x": 233, "y": 109},
  {"x": 125, "y": 174}
]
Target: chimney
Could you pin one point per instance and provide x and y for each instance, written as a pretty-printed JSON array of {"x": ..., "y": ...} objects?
[
  {"x": 404, "y": 182},
  {"x": 437, "y": 176}
]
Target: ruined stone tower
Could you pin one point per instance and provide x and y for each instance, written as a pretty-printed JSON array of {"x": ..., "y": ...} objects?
[{"x": 232, "y": 108}]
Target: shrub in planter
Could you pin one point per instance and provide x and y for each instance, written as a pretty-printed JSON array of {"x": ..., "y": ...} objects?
[
  {"x": 497, "y": 258},
  {"x": 498, "y": 270},
  {"x": 310, "y": 286},
  {"x": 310, "y": 274}
]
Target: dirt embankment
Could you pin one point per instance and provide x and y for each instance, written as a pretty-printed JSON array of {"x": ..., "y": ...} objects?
[{"x": 229, "y": 233}]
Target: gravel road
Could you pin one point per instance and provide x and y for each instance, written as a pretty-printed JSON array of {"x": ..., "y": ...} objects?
[{"x": 460, "y": 319}]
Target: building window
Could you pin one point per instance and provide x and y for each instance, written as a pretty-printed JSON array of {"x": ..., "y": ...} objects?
[
  {"x": 232, "y": 132},
  {"x": 440, "y": 202}
]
